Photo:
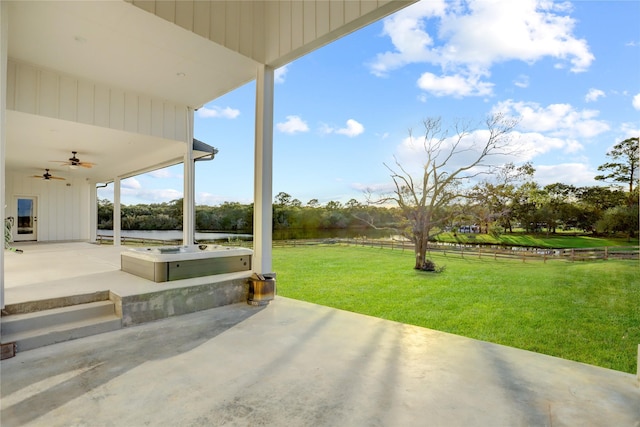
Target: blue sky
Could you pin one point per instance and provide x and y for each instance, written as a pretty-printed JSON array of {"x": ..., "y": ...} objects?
[{"x": 569, "y": 71}]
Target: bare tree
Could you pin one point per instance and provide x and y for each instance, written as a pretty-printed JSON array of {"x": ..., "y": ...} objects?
[{"x": 425, "y": 200}]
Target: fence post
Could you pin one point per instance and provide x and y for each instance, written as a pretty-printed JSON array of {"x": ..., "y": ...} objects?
[
  {"x": 606, "y": 252},
  {"x": 573, "y": 255}
]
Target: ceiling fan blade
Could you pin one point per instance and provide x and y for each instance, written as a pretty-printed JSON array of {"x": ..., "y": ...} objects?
[
  {"x": 86, "y": 165},
  {"x": 57, "y": 177}
]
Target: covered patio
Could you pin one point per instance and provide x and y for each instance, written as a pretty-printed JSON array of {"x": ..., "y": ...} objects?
[
  {"x": 288, "y": 363},
  {"x": 118, "y": 82},
  {"x": 94, "y": 92}
]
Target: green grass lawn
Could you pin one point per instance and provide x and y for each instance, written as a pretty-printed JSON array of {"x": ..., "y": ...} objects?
[
  {"x": 557, "y": 241},
  {"x": 587, "y": 312}
]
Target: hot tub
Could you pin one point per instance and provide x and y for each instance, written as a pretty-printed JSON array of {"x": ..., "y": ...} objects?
[{"x": 166, "y": 263}]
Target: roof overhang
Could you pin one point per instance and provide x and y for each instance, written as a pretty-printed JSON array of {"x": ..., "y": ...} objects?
[{"x": 148, "y": 47}]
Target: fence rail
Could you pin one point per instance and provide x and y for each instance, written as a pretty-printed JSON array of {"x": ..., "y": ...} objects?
[
  {"x": 515, "y": 252},
  {"x": 462, "y": 250}
]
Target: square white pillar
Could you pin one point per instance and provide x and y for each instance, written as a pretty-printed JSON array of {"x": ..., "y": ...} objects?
[
  {"x": 263, "y": 172},
  {"x": 189, "y": 198},
  {"x": 117, "y": 215}
]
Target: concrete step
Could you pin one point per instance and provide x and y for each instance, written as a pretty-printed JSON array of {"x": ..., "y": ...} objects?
[{"x": 40, "y": 328}]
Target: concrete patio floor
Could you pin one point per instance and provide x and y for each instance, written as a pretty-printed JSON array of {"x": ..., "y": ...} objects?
[
  {"x": 53, "y": 270},
  {"x": 296, "y": 364}
]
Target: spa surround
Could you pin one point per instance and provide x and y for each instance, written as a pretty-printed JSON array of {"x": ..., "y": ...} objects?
[{"x": 167, "y": 263}]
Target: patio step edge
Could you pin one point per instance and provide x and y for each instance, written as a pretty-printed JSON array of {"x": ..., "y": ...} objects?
[
  {"x": 53, "y": 303},
  {"x": 32, "y": 321},
  {"x": 52, "y": 334}
]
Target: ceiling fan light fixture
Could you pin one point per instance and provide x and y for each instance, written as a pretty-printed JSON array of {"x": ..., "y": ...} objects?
[{"x": 73, "y": 167}]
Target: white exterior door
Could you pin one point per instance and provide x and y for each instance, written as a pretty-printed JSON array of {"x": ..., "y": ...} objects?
[{"x": 25, "y": 226}]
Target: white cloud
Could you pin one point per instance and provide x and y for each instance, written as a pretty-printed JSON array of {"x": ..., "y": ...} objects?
[
  {"x": 577, "y": 174},
  {"x": 522, "y": 81},
  {"x": 593, "y": 95},
  {"x": 164, "y": 173},
  {"x": 383, "y": 188},
  {"x": 407, "y": 32},
  {"x": 352, "y": 129},
  {"x": 558, "y": 120},
  {"x": 456, "y": 85},
  {"x": 523, "y": 147},
  {"x": 457, "y": 38},
  {"x": 525, "y": 30},
  {"x": 152, "y": 195},
  {"x": 209, "y": 199},
  {"x": 218, "y": 112},
  {"x": 280, "y": 73},
  {"x": 294, "y": 124},
  {"x": 636, "y": 102},
  {"x": 629, "y": 130},
  {"x": 131, "y": 183},
  {"x": 411, "y": 154}
]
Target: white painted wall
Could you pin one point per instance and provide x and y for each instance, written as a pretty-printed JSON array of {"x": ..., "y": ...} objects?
[
  {"x": 47, "y": 93},
  {"x": 63, "y": 207}
]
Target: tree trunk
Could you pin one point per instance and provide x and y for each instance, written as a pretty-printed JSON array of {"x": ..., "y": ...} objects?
[{"x": 421, "y": 246}]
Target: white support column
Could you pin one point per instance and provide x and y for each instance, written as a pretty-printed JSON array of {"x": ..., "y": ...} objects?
[
  {"x": 263, "y": 172},
  {"x": 93, "y": 212},
  {"x": 189, "y": 199},
  {"x": 117, "y": 220},
  {"x": 4, "y": 35}
]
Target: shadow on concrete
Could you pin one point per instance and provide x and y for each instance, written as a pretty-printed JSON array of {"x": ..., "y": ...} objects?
[
  {"x": 519, "y": 390},
  {"x": 97, "y": 361}
]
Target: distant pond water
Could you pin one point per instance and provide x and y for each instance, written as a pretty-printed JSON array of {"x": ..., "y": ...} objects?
[{"x": 289, "y": 234}]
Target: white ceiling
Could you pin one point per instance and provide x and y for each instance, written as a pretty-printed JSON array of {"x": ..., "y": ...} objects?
[{"x": 120, "y": 45}]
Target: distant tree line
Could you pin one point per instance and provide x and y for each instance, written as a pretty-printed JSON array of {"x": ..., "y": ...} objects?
[
  {"x": 495, "y": 208},
  {"x": 508, "y": 199},
  {"x": 288, "y": 213}
]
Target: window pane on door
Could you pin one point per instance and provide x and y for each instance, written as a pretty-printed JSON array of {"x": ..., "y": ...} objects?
[{"x": 25, "y": 216}]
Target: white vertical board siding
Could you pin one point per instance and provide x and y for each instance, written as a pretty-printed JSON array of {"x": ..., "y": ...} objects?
[
  {"x": 259, "y": 30},
  {"x": 62, "y": 206},
  {"x": 116, "y": 109},
  {"x": 48, "y": 93},
  {"x": 282, "y": 29},
  {"x": 86, "y": 102},
  {"x": 232, "y": 30},
  {"x": 298, "y": 27},
  {"x": 185, "y": 14},
  {"x": 201, "y": 18},
  {"x": 68, "y": 99},
  {"x": 336, "y": 14},
  {"x": 270, "y": 31},
  {"x": 131, "y": 113},
  {"x": 26, "y": 89}
]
